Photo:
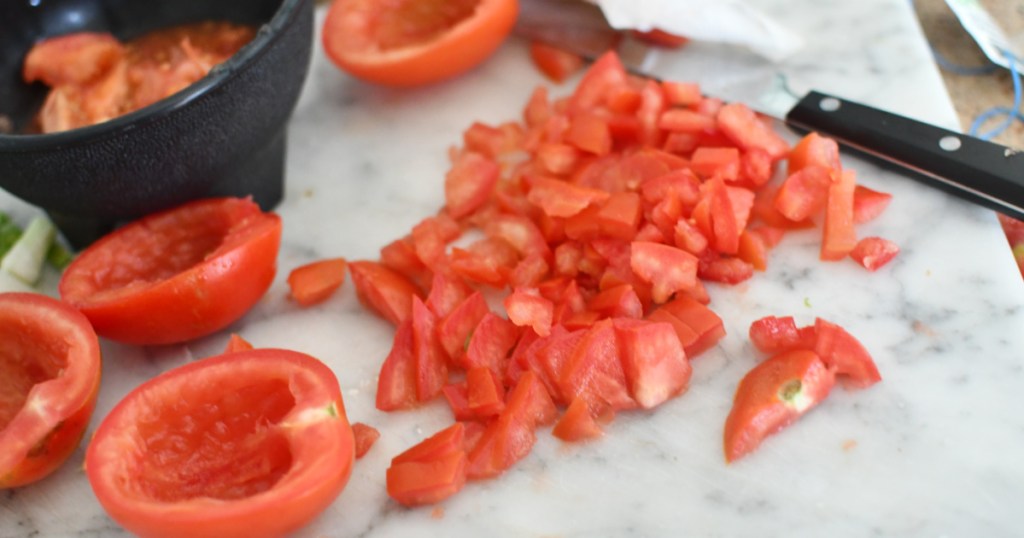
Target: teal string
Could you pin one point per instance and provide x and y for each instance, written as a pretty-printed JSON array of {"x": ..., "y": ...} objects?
[{"x": 1011, "y": 114}]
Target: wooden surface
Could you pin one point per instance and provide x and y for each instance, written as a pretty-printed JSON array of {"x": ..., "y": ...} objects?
[{"x": 973, "y": 94}]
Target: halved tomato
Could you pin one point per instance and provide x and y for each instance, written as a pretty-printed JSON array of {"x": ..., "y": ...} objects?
[
  {"x": 415, "y": 42},
  {"x": 50, "y": 367},
  {"x": 224, "y": 446},
  {"x": 176, "y": 275}
]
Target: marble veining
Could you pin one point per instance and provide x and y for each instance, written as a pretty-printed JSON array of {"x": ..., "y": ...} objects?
[{"x": 933, "y": 450}]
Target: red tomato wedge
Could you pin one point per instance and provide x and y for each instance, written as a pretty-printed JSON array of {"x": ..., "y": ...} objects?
[
  {"x": 415, "y": 42},
  {"x": 50, "y": 367},
  {"x": 385, "y": 291},
  {"x": 315, "y": 282},
  {"x": 222, "y": 446},
  {"x": 176, "y": 275},
  {"x": 773, "y": 395}
]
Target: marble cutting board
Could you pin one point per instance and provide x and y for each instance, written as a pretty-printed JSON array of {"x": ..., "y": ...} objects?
[{"x": 936, "y": 449}]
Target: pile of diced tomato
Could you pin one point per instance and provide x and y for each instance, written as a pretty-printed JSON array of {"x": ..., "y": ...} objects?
[{"x": 594, "y": 223}]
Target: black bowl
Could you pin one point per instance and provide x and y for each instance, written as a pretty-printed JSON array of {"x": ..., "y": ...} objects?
[{"x": 222, "y": 136}]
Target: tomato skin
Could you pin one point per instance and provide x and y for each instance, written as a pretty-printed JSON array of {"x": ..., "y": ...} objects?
[
  {"x": 771, "y": 396},
  {"x": 54, "y": 410},
  {"x": 161, "y": 304},
  {"x": 297, "y": 429},
  {"x": 348, "y": 43}
]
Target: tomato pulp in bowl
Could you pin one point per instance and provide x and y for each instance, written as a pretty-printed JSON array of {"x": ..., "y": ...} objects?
[{"x": 224, "y": 135}]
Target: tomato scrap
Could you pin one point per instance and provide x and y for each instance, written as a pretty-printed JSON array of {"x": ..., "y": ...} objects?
[
  {"x": 50, "y": 366},
  {"x": 365, "y": 436},
  {"x": 414, "y": 42},
  {"x": 315, "y": 282},
  {"x": 598, "y": 220},
  {"x": 176, "y": 275},
  {"x": 771, "y": 396},
  {"x": 219, "y": 447}
]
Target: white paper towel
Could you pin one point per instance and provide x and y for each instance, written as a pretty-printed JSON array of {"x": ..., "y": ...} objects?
[{"x": 725, "y": 21}]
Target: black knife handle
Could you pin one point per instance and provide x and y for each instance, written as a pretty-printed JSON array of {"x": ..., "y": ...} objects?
[{"x": 982, "y": 172}]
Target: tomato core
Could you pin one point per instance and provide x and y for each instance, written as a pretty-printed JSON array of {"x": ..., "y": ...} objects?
[{"x": 221, "y": 445}]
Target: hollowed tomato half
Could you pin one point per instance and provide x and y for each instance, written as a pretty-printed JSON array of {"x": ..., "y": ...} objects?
[
  {"x": 251, "y": 443},
  {"x": 49, "y": 377},
  {"x": 176, "y": 275}
]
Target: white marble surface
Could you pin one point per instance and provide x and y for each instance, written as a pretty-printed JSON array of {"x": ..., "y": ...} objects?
[{"x": 935, "y": 449}]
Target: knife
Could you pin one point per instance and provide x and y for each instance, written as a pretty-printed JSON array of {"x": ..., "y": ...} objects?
[{"x": 983, "y": 172}]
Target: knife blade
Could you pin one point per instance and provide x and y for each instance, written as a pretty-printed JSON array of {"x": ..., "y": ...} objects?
[{"x": 982, "y": 172}]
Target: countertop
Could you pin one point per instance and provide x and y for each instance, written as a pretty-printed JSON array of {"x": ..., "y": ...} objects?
[
  {"x": 933, "y": 450},
  {"x": 972, "y": 94}
]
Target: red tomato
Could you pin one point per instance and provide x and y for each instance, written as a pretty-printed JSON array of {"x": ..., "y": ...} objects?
[
  {"x": 653, "y": 361},
  {"x": 510, "y": 437},
  {"x": 469, "y": 183},
  {"x": 176, "y": 275},
  {"x": 773, "y": 335},
  {"x": 50, "y": 366},
  {"x": 814, "y": 150},
  {"x": 577, "y": 424},
  {"x": 219, "y": 447},
  {"x": 667, "y": 268},
  {"x": 868, "y": 203},
  {"x": 365, "y": 436},
  {"x": 743, "y": 126},
  {"x": 838, "y": 234},
  {"x": 410, "y": 43},
  {"x": 773, "y": 395},
  {"x": 557, "y": 64},
  {"x": 874, "y": 252},
  {"x": 430, "y": 471},
  {"x": 661, "y": 38},
  {"x": 527, "y": 309},
  {"x": 559, "y": 198},
  {"x": 237, "y": 343},
  {"x": 315, "y": 282},
  {"x": 387, "y": 292},
  {"x": 844, "y": 353},
  {"x": 396, "y": 383}
]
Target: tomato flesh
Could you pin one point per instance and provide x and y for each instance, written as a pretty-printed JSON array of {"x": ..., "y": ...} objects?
[
  {"x": 249, "y": 440},
  {"x": 176, "y": 275},
  {"x": 49, "y": 378}
]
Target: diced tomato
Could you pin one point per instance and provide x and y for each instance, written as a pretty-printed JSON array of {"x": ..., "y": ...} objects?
[
  {"x": 756, "y": 167},
  {"x": 725, "y": 270},
  {"x": 590, "y": 133},
  {"x": 753, "y": 250},
  {"x": 603, "y": 75},
  {"x": 400, "y": 256},
  {"x": 742, "y": 125},
  {"x": 593, "y": 369},
  {"x": 803, "y": 194},
  {"x": 771, "y": 396},
  {"x": 315, "y": 282},
  {"x": 667, "y": 268},
  {"x": 660, "y": 38},
  {"x": 838, "y": 235},
  {"x": 653, "y": 360},
  {"x": 455, "y": 329},
  {"x": 469, "y": 183},
  {"x": 577, "y": 424},
  {"x": 874, "y": 252},
  {"x": 814, "y": 150},
  {"x": 557, "y": 64},
  {"x": 868, "y": 203},
  {"x": 446, "y": 293},
  {"x": 685, "y": 121},
  {"x": 723, "y": 162},
  {"x": 365, "y": 437},
  {"x": 485, "y": 394},
  {"x": 430, "y": 238},
  {"x": 681, "y": 93},
  {"x": 486, "y": 261},
  {"x": 383, "y": 290},
  {"x": 559, "y": 198},
  {"x": 396, "y": 383},
  {"x": 617, "y": 302},
  {"x": 772, "y": 335},
  {"x": 559, "y": 159},
  {"x": 490, "y": 343},
  {"x": 526, "y": 308},
  {"x": 620, "y": 215},
  {"x": 236, "y": 343},
  {"x": 510, "y": 437},
  {"x": 705, "y": 327},
  {"x": 430, "y": 471},
  {"x": 841, "y": 351},
  {"x": 428, "y": 355},
  {"x": 538, "y": 108},
  {"x": 520, "y": 232}
]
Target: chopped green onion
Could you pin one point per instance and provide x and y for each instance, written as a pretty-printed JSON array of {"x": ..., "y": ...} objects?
[
  {"x": 25, "y": 258},
  {"x": 9, "y": 233},
  {"x": 9, "y": 282}
]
